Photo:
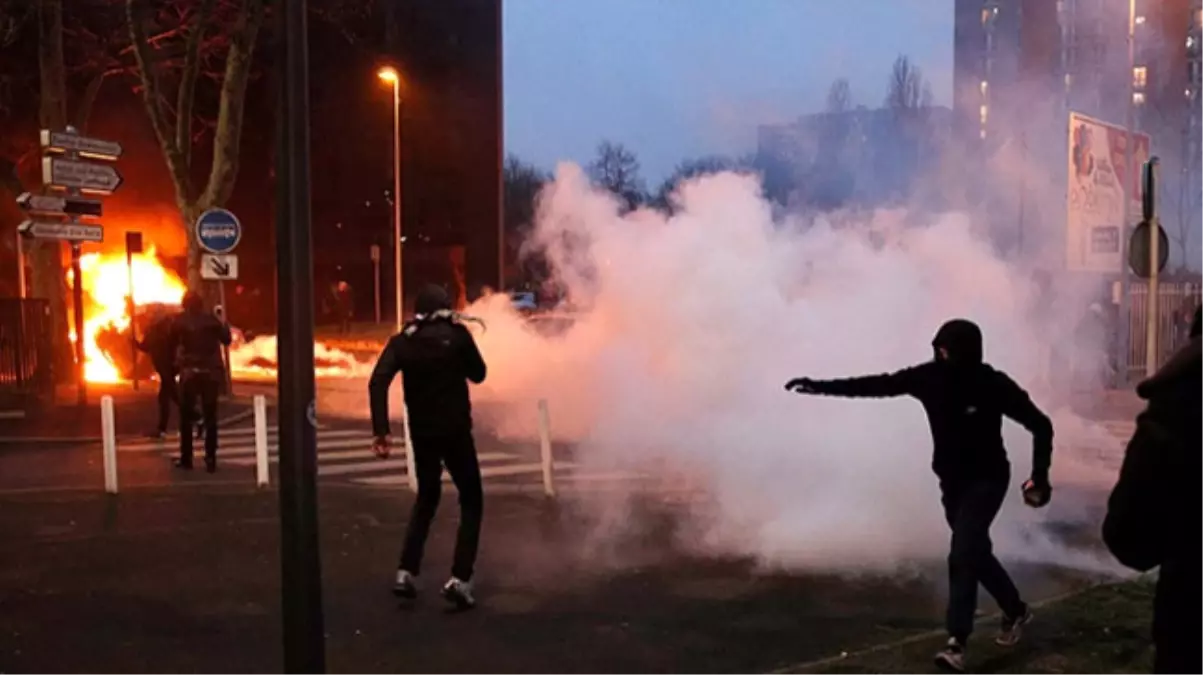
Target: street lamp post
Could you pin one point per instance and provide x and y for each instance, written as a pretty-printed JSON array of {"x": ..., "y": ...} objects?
[{"x": 391, "y": 76}]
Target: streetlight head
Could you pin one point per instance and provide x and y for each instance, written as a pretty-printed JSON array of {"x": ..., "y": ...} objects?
[{"x": 388, "y": 74}]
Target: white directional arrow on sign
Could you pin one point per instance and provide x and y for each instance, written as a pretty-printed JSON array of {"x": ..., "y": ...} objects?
[
  {"x": 95, "y": 148},
  {"x": 68, "y": 231},
  {"x": 98, "y": 178}
]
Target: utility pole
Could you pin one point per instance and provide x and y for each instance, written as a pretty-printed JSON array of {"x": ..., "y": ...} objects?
[
  {"x": 1125, "y": 295},
  {"x": 300, "y": 555}
]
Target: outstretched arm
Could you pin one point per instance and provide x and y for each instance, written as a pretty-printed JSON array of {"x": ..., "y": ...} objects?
[
  {"x": 474, "y": 363},
  {"x": 906, "y": 382},
  {"x": 387, "y": 367}
]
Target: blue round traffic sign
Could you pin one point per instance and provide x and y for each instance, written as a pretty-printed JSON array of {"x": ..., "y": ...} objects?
[{"x": 218, "y": 231}]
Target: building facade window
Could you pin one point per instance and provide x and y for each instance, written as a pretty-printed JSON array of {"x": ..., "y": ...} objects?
[
  {"x": 985, "y": 87},
  {"x": 984, "y": 114},
  {"x": 1138, "y": 98},
  {"x": 1140, "y": 77}
]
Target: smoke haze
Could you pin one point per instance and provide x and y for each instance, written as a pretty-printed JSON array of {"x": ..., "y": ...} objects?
[{"x": 687, "y": 327}]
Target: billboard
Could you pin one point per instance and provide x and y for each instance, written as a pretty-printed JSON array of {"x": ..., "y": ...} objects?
[{"x": 1097, "y": 171}]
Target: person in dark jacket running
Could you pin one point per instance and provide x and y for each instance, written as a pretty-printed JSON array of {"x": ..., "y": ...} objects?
[
  {"x": 197, "y": 338},
  {"x": 157, "y": 345},
  {"x": 965, "y": 400},
  {"x": 437, "y": 357},
  {"x": 1153, "y": 515}
]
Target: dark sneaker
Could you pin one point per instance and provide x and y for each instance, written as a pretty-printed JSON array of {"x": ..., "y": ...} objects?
[
  {"x": 952, "y": 658},
  {"x": 1012, "y": 628},
  {"x": 181, "y": 464},
  {"x": 405, "y": 586},
  {"x": 211, "y": 464},
  {"x": 459, "y": 593}
]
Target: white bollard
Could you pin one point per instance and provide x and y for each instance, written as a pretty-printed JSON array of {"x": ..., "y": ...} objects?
[
  {"x": 262, "y": 475},
  {"x": 549, "y": 485},
  {"x": 410, "y": 471},
  {"x": 109, "y": 439}
]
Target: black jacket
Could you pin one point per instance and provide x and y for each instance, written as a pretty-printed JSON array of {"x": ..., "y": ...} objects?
[
  {"x": 196, "y": 339},
  {"x": 157, "y": 344},
  {"x": 965, "y": 401},
  {"x": 437, "y": 358},
  {"x": 1153, "y": 515}
]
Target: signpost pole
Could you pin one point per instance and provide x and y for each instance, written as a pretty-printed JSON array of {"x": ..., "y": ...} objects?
[
  {"x": 77, "y": 299},
  {"x": 1152, "y": 305},
  {"x": 375, "y": 251},
  {"x": 20, "y": 265},
  {"x": 133, "y": 327},
  {"x": 225, "y": 349}
]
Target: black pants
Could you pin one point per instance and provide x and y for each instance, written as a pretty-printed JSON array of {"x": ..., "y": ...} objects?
[
  {"x": 201, "y": 385},
  {"x": 168, "y": 396},
  {"x": 458, "y": 454},
  {"x": 970, "y": 506}
]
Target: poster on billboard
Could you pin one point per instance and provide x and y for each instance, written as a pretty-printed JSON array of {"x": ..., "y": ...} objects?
[{"x": 1097, "y": 171}]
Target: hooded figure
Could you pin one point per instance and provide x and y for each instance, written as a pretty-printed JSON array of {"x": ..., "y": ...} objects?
[
  {"x": 197, "y": 338},
  {"x": 1153, "y": 516},
  {"x": 437, "y": 357},
  {"x": 965, "y": 400}
]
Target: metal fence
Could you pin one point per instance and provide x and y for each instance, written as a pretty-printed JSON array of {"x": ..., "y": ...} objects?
[
  {"x": 25, "y": 349},
  {"x": 1176, "y": 303}
]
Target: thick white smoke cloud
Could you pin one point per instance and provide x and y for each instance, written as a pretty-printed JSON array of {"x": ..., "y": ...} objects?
[{"x": 690, "y": 324}]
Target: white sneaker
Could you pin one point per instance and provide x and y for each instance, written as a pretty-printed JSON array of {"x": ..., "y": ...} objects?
[
  {"x": 405, "y": 586},
  {"x": 459, "y": 593},
  {"x": 952, "y": 657},
  {"x": 1012, "y": 628}
]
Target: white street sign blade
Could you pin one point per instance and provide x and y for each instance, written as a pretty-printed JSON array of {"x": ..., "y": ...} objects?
[
  {"x": 64, "y": 231},
  {"x": 66, "y": 173},
  {"x": 95, "y": 148},
  {"x": 50, "y": 204},
  {"x": 219, "y": 267}
]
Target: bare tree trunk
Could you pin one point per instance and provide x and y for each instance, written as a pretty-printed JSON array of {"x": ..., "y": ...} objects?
[{"x": 46, "y": 257}]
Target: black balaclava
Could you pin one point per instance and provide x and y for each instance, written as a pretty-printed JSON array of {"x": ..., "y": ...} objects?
[
  {"x": 431, "y": 299},
  {"x": 962, "y": 339},
  {"x": 1196, "y": 326}
]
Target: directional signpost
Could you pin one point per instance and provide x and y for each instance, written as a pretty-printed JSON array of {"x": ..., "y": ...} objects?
[
  {"x": 218, "y": 231},
  {"x": 56, "y": 214}
]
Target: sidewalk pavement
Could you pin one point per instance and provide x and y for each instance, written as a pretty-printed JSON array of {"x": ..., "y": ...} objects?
[
  {"x": 134, "y": 413},
  {"x": 188, "y": 580}
]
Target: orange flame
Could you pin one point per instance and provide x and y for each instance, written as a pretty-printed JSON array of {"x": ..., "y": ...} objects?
[{"x": 106, "y": 284}]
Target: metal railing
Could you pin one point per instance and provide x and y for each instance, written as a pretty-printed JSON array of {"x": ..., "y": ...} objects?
[
  {"x": 26, "y": 354},
  {"x": 1176, "y": 303}
]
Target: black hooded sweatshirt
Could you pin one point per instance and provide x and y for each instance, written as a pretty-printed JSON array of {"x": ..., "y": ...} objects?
[
  {"x": 437, "y": 357},
  {"x": 1153, "y": 515},
  {"x": 965, "y": 401}
]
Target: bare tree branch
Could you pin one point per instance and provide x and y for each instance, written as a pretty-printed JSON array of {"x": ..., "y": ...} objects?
[
  {"x": 176, "y": 163},
  {"x": 228, "y": 136},
  {"x": 187, "y": 92}
]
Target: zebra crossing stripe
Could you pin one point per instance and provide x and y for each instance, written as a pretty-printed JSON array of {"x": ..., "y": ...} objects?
[
  {"x": 238, "y": 436},
  {"x": 374, "y": 464}
]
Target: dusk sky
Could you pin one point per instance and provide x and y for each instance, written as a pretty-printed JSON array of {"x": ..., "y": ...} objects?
[{"x": 674, "y": 79}]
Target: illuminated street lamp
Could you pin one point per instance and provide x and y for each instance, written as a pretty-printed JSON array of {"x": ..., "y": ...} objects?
[{"x": 391, "y": 76}]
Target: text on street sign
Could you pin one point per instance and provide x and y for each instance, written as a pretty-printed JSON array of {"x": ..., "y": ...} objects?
[
  {"x": 67, "y": 173},
  {"x": 51, "y": 204},
  {"x": 218, "y": 231},
  {"x": 64, "y": 231},
  {"x": 95, "y": 148}
]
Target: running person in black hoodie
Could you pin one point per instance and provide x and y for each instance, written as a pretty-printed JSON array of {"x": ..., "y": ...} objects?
[
  {"x": 437, "y": 357},
  {"x": 965, "y": 401}
]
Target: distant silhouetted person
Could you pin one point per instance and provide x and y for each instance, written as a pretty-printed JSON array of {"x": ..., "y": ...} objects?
[
  {"x": 157, "y": 345},
  {"x": 437, "y": 357},
  {"x": 197, "y": 337},
  {"x": 1154, "y": 517},
  {"x": 965, "y": 400}
]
